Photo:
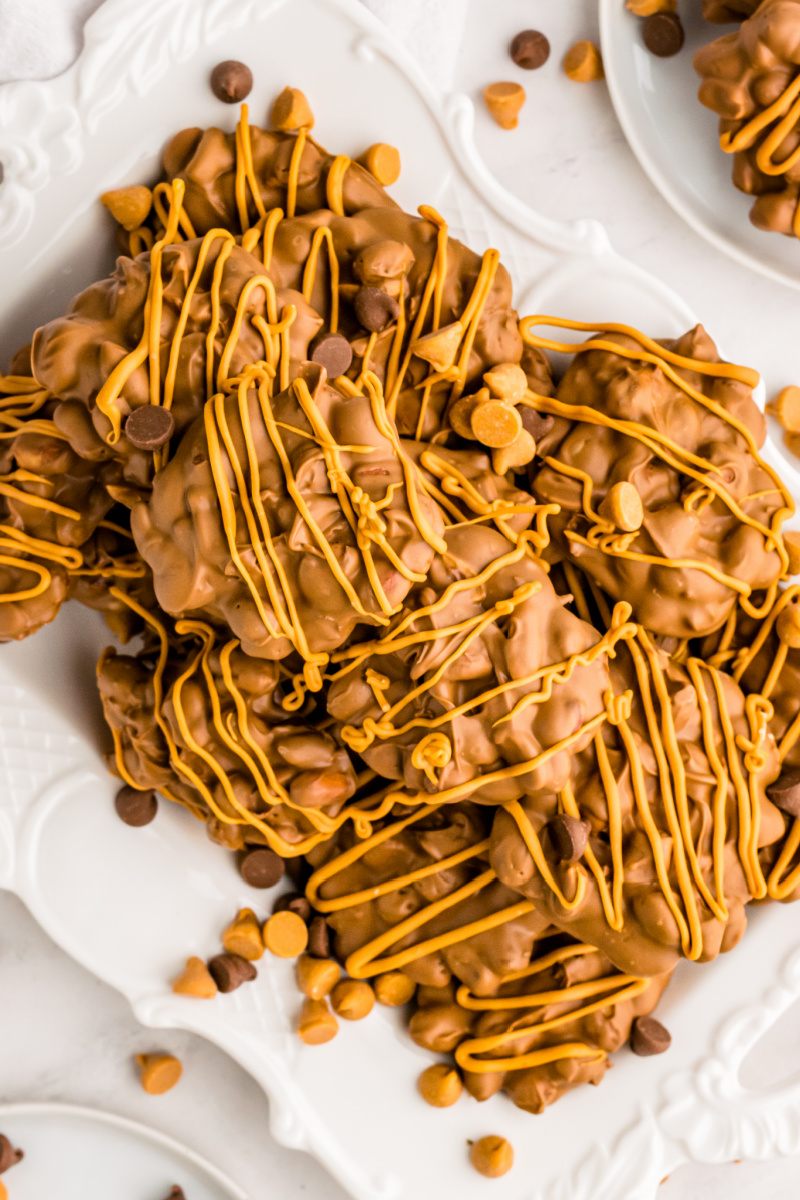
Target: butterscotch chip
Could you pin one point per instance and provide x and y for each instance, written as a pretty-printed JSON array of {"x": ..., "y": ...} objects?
[
  {"x": 492, "y": 1156},
  {"x": 646, "y": 8},
  {"x": 509, "y": 458},
  {"x": 243, "y": 936},
  {"x": 285, "y": 934},
  {"x": 791, "y": 541},
  {"x": 786, "y": 407},
  {"x": 353, "y": 999},
  {"x": 393, "y": 989},
  {"x": 383, "y": 162},
  {"x": 291, "y": 111},
  {"x": 129, "y": 206},
  {"x": 504, "y": 100},
  {"x": 440, "y": 1085},
  {"x": 508, "y": 381},
  {"x": 460, "y": 415},
  {"x": 317, "y": 977},
  {"x": 623, "y": 505},
  {"x": 583, "y": 63},
  {"x": 3, "y": 1191},
  {"x": 159, "y": 1072},
  {"x": 195, "y": 980},
  {"x": 440, "y": 347},
  {"x": 317, "y": 1024},
  {"x": 496, "y": 424}
]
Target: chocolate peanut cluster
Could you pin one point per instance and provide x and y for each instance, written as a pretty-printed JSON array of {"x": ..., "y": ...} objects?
[
  {"x": 750, "y": 78},
  {"x": 454, "y": 641}
]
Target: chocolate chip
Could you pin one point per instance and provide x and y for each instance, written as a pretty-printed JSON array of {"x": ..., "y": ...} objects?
[
  {"x": 530, "y": 49},
  {"x": 333, "y": 352},
  {"x": 231, "y": 81},
  {"x": 569, "y": 835},
  {"x": 374, "y": 308},
  {"x": 149, "y": 427},
  {"x": 293, "y": 902},
  {"x": 663, "y": 34},
  {"x": 785, "y": 791},
  {"x": 9, "y": 1157},
  {"x": 135, "y": 808},
  {"x": 537, "y": 424},
  {"x": 261, "y": 867},
  {"x": 319, "y": 942},
  {"x": 230, "y": 971},
  {"x": 648, "y": 1036},
  {"x": 176, "y": 1193}
]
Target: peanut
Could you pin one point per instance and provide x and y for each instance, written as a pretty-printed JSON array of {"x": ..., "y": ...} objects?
[
  {"x": 492, "y": 1156},
  {"x": 353, "y": 999},
  {"x": 317, "y": 977},
  {"x": 440, "y": 347},
  {"x": 393, "y": 989},
  {"x": 243, "y": 936},
  {"x": 508, "y": 381},
  {"x": 623, "y": 505},
  {"x": 317, "y": 1024},
  {"x": 195, "y": 980},
  {"x": 129, "y": 206},
  {"x": 504, "y": 100},
  {"x": 292, "y": 111},
  {"x": 440, "y": 1085},
  {"x": 383, "y": 162},
  {"x": 583, "y": 64},
  {"x": 285, "y": 934},
  {"x": 159, "y": 1072},
  {"x": 496, "y": 424}
]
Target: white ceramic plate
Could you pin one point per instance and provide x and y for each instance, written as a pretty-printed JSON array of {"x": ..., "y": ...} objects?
[
  {"x": 132, "y": 904},
  {"x": 676, "y": 141},
  {"x": 79, "y": 1154}
]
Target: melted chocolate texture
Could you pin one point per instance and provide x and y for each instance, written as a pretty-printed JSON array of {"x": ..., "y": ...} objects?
[
  {"x": 743, "y": 74},
  {"x": 74, "y": 355},
  {"x": 538, "y": 633},
  {"x": 314, "y": 772},
  {"x": 681, "y": 601},
  {"x": 648, "y": 940},
  {"x": 180, "y": 530}
]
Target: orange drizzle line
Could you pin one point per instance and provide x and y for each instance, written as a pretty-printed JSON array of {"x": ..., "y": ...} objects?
[{"x": 682, "y": 461}]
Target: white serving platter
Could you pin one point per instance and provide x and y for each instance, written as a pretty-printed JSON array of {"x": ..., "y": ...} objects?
[
  {"x": 76, "y": 1153},
  {"x": 676, "y": 139},
  {"x": 164, "y": 891}
]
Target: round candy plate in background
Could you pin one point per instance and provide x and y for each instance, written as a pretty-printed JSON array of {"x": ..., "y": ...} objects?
[
  {"x": 78, "y": 1154},
  {"x": 676, "y": 139}
]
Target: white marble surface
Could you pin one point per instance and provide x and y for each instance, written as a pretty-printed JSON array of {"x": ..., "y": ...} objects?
[{"x": 65, "y": 1036}]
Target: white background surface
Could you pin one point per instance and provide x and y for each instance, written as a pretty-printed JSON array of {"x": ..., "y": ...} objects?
[{"x": 63, "y": 1035}]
